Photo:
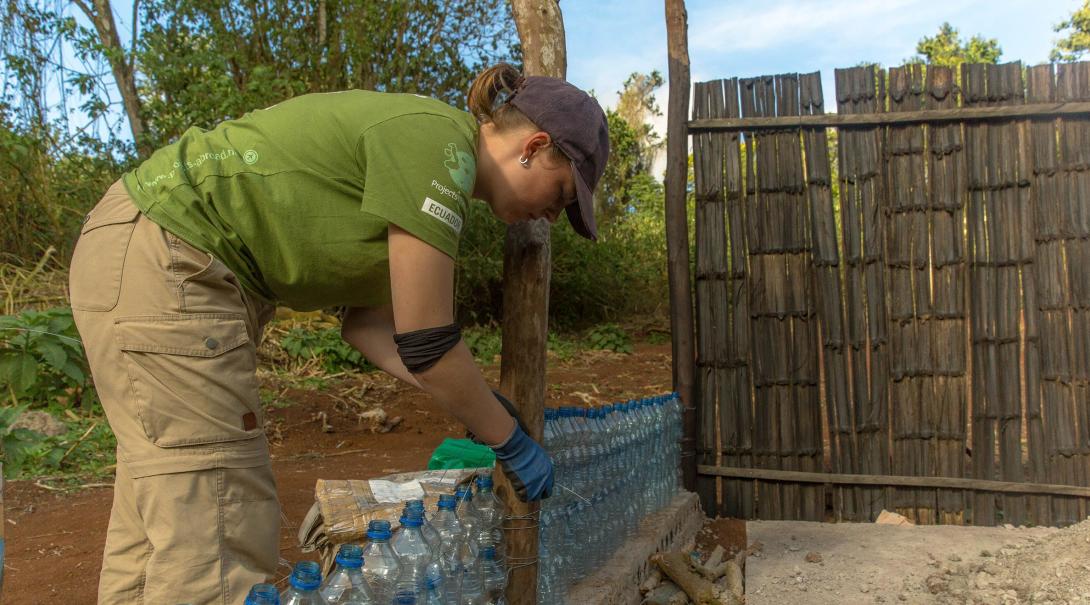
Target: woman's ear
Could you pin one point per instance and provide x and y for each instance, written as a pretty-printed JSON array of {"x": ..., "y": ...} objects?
[{"x": 537, "y": 142}]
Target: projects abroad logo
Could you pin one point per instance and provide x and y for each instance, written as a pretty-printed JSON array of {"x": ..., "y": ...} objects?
[{"x": 462, "y": 167}]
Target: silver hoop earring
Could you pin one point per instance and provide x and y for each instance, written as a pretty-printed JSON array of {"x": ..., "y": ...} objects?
[{"x": 525, "y": 161}]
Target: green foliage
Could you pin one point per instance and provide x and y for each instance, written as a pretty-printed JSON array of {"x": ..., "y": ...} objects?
[
  {"x": 42, "y": 361},
  {"x": 609, "y": 337},
  {"x": 17, "y": 445},
  {"x": 1076, "y": 42},
  {"x": 484, "y": 342},
  {"x": 948, "y": 48},
  {"x": 87, "y": 448},
  {"x": 325, "y": 347},
  {"x": 203, "y": 62}
]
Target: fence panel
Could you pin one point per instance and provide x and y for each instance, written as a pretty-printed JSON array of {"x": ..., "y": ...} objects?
[{"x": 929, "y": 291}]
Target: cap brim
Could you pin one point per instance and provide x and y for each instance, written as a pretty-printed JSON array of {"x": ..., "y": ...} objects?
[{"x": 581, "y": 213}]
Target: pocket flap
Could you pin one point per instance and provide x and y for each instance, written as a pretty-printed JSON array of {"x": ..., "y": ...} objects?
[
  {"x": 199, "y": 335},
  {"x": 119, "y": 213}
]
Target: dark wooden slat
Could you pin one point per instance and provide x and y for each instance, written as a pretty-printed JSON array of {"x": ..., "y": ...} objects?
[
  {"x": 947, "y": 405},
  {"x": 861, "y": 198},
  {"x": 707, "y": 168},
  {"x": 931, "y": 116}
]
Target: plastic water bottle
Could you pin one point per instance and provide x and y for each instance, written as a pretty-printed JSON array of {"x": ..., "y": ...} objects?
[
  {"x": 380, "y": 563},
  {"x": 451, "y": 536},
  {"x": 304, "y": 582},
  {"x": 430, "y": 535},
  {"x": 412, "y": 552},
  {"x": 490, "y": 512},
  {"x": 433, "y": 592},
  {"x": 467, "y": 516},
  {"x": 263, "y": 594},
  {"x": 472, "y": 590},
  {"x": 346, "y": 583},
  {"x": 493, "y": 578}
]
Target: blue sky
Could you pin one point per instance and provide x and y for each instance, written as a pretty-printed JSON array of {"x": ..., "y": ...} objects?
[{"x": 609, "y": 39}]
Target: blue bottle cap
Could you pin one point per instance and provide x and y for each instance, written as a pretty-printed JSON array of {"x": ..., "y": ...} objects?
[
  {"x": 464, "y": 493},
  {"x": 263, "y": 594},
  {"x": 378, "y": 530},
  {"x": 581, "y": 412},
  {"x": 484, "y": 481},
  {"x": 419, "y": 504},
  {"x": 306, "y": 576},
  {"x": 447, "y": 504},
  {"x": 350, "y": 556},
  {"x": 412, "y": 520}
]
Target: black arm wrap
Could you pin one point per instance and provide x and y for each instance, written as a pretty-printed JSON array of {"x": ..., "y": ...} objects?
[{"x": 421, "y": 349}]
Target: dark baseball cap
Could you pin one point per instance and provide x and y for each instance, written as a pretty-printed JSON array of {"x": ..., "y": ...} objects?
[{"x": 578, "y": 127}]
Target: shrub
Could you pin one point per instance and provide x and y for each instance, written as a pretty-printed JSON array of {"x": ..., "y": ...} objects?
[{"x": 42, "y": 360}]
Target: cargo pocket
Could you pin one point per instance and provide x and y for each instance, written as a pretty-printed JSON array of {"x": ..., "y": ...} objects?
[
  {"x": 193, "y": 377},
  {"x": 94, "y": 276}
]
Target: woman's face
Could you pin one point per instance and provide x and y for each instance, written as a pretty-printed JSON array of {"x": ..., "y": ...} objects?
[{"x": 539, "y": 188}]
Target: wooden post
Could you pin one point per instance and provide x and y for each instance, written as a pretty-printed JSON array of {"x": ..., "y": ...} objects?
[
  {"x": 677, "y": 231},
  {"x": 526, "y": 272}
]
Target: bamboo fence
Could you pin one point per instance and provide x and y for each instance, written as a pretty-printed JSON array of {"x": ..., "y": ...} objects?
[{"x": 899, "y": 304}]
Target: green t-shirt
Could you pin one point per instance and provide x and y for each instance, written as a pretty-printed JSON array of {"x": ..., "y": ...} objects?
[{"x": 296, "y": 199}]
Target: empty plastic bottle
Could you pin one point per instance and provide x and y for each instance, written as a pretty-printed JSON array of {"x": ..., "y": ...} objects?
[
  {"x": 413, "y": 554},
  {"x": 263, "y": 594},
  {"x": 304, "y": 582},
  {"x": 346, "y": 584},
  {"x": 380, "y": 563},
  {"x": 493, "y": 578},
  {"x": 433, "y": 592},
  {"x": 467, "y": 515},
  {"x": 451, "y": 535},
  {"x": 489, "y": 511},
  {"x": 430, "y": 535},
  {"x": 472, "y": 589}
]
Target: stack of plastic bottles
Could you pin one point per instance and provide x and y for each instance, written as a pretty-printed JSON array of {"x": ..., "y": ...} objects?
[
  {"x": 453, "y": 558},
  {"x": 614, "y": 464}
]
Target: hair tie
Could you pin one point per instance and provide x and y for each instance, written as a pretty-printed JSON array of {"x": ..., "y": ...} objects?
[{"x": 511, "y": 92}]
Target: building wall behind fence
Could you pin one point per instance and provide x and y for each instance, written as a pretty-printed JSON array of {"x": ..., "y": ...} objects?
[{"x": 913, "y": 300}]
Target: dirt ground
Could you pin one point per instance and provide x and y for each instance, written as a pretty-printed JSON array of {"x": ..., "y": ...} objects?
[
  {"x": 813, "y": 563},
  {"x": 54, "y": 539}
]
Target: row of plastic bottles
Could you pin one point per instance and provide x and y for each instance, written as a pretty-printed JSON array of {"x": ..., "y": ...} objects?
[
  {"x": 614, "y": 464},
  {"x": 453, "y": 558}
]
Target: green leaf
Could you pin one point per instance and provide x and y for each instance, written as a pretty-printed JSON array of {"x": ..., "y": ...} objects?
[
  {"x": 52, "y": 352},
  {"x": 75, "y": 372},
  {"x": 18, "y": 370}
]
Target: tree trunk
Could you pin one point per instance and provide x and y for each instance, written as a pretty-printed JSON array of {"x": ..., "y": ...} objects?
[
  {"x": 526, "y": 272},
  {"x": 677, "y": 230},
  {"x": 102, "y": 16}
]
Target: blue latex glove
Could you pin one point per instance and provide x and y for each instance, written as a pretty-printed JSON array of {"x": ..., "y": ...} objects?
[{"x": 526, "y": 466}]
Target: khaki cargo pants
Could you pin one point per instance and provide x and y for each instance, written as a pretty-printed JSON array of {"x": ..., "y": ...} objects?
[{"x": 171, "y": 338}]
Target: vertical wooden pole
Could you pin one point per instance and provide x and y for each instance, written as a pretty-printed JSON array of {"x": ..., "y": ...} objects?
[
  {"x": 526, "y": 273},
  {"x": 677, "y": 230}
]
